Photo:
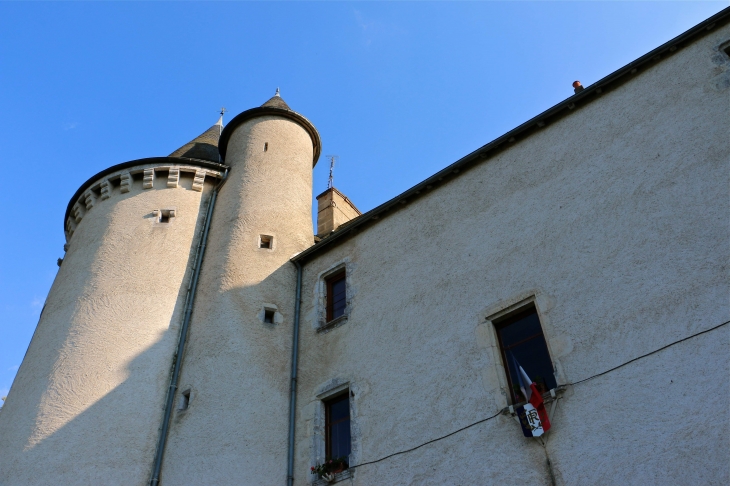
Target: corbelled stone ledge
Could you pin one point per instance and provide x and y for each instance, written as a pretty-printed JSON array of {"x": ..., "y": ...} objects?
[{"x": 100, "y": 187}]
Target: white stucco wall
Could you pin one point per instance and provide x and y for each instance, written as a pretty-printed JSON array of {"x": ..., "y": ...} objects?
[
  {"x": 87, "y": 402},
  {"x": 237, "y": 367},
  {"x": 614, "y": 220}
]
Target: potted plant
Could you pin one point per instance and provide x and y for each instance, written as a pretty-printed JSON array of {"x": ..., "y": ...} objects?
[{"x": 330, "y": 467}]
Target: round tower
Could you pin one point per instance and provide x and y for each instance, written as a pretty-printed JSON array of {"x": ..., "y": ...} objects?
[
  {"x": 87, "y": 401},
  {"x": 235, "y": 372}
]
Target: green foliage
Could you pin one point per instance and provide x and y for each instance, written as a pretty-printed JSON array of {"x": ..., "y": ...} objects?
[{"x": 329, "y": 465}]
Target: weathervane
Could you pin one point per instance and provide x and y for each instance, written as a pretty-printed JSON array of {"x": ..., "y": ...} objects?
[
  {"x": 220, "y": 123},
  {"x": 332, "y": 158}
]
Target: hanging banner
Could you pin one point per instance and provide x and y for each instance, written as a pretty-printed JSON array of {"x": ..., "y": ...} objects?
[{"x": 530, "y": 420}]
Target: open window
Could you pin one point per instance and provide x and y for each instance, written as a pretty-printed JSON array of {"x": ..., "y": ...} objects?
[
  {"x": 336, "y": 295},
  {"x": 522, "y": 341}
]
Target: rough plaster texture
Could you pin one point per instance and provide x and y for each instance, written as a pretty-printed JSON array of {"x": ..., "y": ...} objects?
[
  {"x": 87, "y": 402},
  {"x": 235, "y": 429},
  {"x": 614, "y": 222}
]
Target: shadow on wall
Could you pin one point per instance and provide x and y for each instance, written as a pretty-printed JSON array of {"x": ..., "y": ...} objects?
[
  {"x": 114, "y": 440},
  {"x": 111, "y": 437},
  {"x": 239, "y": 369}
]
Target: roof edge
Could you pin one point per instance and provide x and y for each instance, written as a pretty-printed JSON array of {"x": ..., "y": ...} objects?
[
  {"x": 133, "y": 163},
  {"x": 523, "y": 131},
  {"x": 268, "y": 110}
]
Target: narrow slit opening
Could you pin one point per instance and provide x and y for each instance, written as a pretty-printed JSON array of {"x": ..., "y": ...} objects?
[{"x": 184, "y": 400}]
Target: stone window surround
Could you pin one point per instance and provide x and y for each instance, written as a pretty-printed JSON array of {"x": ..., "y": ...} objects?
[
  {"x": 328, "y": 390},
  {"x": 278, "y": 317},
  {"x": 321, "y": 325},
  {"x": 169, "y": 212},
  {"x": 272, "y": 244},
  {"x": 494, "y": 312}
]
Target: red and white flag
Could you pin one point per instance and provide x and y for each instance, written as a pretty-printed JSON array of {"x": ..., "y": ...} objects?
[{"x": 533, "y": 416}]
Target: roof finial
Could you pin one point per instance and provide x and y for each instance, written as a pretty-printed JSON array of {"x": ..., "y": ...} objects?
[
  {"x": 220, "y": 120},
  {"x": 277, "y": 93}
]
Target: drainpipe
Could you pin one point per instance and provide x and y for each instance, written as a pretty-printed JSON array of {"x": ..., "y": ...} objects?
[
  {"x": 294, "y": 362},
  {"x": 189, "y": 299}
]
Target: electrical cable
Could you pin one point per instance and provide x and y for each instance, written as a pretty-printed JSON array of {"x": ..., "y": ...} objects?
[
  {"x": 429, "y": 442},
  {"x": 648, "y": 354},
  {"x": 567, "y": 384}
]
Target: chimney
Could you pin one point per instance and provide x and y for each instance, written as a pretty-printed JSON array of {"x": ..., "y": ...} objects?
[
  {"x": 333, "y": 210},
  {"x": 577, "y": 87}
]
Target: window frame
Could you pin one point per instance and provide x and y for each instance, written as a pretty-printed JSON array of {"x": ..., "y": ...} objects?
[
  {"x": 506, "y": 320},
  {"x": 330, "y": 280},
  {"x": 328, "y": 403},
  {"x": 268, "y": 240}
]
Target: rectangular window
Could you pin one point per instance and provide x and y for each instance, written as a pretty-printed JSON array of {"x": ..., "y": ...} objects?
[
  {"x": 266, "y": 241},
  {"x": 337, "y": 426},
  {"x": 336, "y": 296},
  {"x": 521, "y": 339}
]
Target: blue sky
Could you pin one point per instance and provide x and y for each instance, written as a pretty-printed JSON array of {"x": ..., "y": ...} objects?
[{"x": 397, "y": 90}]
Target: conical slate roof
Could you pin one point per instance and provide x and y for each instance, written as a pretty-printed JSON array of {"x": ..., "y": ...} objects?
[
  {"x": 203, "y": 147},
  {"x": 277, "y": 102},
  {"x": 274, "y": 107}
]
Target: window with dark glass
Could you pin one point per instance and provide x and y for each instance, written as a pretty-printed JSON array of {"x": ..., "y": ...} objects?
[
  {"x": 521, "y": 339},
  {"x": 337, "y": 426},
  {"x": 336, "y": 296}
]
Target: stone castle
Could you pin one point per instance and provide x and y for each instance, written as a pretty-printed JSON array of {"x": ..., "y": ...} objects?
[{"x": 200, "y": 332}]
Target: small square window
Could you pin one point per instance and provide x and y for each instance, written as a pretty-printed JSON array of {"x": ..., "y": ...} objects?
[
  {"x": 266, "y": 242},
  {"x": 337, "y": 439},
  {"x": 269, "y": 316},
  {"x": 164, "y": 215},
  {"x": 522, "y": 343},
  {"x": 336, "y": 295}
]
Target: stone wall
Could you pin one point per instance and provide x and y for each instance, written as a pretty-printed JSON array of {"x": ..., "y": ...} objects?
[
  {"x": 236, "y": 364},
  {"x": 613, "y": 222},
  {"x": 87, "y": 402}
]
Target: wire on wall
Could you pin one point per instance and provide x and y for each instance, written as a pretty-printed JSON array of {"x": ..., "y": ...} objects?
[{"x": 567, "y": 384}]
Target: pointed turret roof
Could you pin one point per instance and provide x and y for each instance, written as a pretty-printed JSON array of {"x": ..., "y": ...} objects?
[
  {"x": 273, "y": 107},
  {"x": 277, "y": 101},
  {"x": 204, "y": 146}
]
